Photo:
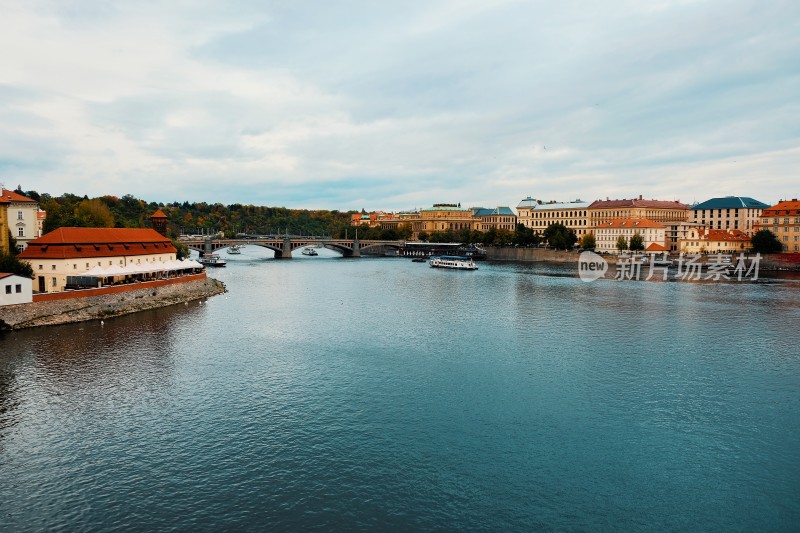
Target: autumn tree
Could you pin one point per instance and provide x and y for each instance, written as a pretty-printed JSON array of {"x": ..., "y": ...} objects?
[{"x": 93, "y": 214}]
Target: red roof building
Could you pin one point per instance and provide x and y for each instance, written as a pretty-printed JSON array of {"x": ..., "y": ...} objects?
[
  {"x": 73, "y": 251},
  {"x": 715, "y": 241},
  {"x": 783, "y": 219}
]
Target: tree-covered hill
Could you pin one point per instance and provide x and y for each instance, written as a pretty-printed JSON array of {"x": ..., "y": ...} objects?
[{"x": 187, "y": 217}]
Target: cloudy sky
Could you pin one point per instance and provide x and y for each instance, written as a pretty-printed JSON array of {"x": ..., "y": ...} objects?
[{"x": 395, "y": 105}]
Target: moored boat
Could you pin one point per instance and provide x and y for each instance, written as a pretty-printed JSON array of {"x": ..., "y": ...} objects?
[{"x": 453, "y": 262}]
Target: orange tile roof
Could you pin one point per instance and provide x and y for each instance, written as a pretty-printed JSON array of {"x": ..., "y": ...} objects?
[
  {"x": 634, "y": 223},
  {"x": 11, "y": 196},
  {"x": 41, "y": 214},
  {"x": 733, "y": 235},
  {"x": 781, "y": 208},
  {"x": 655, "y": 247},
  {"x": 158, "y": 214},
  {"x": 5, "y": 275},
  {"x": 68, "y": 243}
]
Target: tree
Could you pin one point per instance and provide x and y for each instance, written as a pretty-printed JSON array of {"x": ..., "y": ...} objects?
[
  {"x": 423, "y": 236},
  {"x": 622, "y": 243},
  {"x": 183, "y": 249},
  {"x": 525, "y": 236},
  {"x": 12, "y": 264},
  {"x": 766, "y": 242},
  {"x": 588, "y": 242},
  {"x": 559, "y": 236},
  {"x": 93, "y": 214},
  {"x": 637, "y": 243}
]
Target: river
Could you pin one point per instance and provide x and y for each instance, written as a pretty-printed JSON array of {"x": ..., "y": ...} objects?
[{"x": 380, "y": 394}]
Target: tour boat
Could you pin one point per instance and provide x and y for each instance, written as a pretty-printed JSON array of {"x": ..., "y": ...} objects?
[
  {"x": 453, "y": 262},
  {"x": 309, "y": 251},
  {"x": 211, "y": 260},
  {"x": 234, "y": 249}
]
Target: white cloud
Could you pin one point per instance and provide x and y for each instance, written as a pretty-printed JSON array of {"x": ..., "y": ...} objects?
[{"x": 384, "y": 106}]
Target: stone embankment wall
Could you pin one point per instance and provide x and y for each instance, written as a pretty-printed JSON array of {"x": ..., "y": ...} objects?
[
  {"x": 81, "y": 308},
  {"x": 534, "y": 254},
  {"x": 768, "y": 262}
]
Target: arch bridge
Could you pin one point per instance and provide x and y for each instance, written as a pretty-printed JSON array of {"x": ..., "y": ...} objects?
[{"x": 283, "y": 246}]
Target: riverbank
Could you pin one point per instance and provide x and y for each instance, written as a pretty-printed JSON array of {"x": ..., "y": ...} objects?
[
  {"x": 99, "y": 306},
  {"x": 768, "y": 262}
]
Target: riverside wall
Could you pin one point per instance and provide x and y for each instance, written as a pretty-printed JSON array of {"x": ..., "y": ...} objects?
[
  {"x": 785, "y": 261},
  {"x": 93, "y": 304},
  {"x": 494, "y": 253}
]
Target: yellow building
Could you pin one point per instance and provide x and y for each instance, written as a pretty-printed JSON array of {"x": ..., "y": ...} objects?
[
  {"x": 656, "y": 210},
  {"x": 715, "y": 241},
  {"x": 573, "y": 215},
  {"x": 497, "y": 218},
  {"x": 783, "y": 219},
  {"x": 442, "y": 217},
  {"x": 608, "y": 233},
  {"x": 4, "y": 243},
  {"x": 21, "y": 217}
]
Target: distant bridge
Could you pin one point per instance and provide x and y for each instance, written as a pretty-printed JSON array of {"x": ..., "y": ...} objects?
[{"x": 283, "y": 246}]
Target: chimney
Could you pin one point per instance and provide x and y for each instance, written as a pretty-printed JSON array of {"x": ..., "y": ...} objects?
[{"x": 640, "y": 197}]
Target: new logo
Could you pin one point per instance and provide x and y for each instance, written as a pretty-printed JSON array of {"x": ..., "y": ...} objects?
[{"x": 591, "y": 266}]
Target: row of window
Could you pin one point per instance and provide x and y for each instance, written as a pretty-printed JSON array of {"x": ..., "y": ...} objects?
[
  {"x": 17, "y": 287},
  {"x": 785, "y": 229},
  {"x": 557, "y": 214},
  {"x": 765, "y": 220},
  {"x": 750, "y": 213}
]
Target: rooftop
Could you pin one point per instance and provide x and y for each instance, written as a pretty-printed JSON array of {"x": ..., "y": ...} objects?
[
  {"x": 485, "y": 212},
  {"x": 11, "y": 196},
  {"x": 563, "y": 205},
  {"x": 64, "y": 243},
  {"x": 637, "y": 202},
  {"x": 731, "y": 202},
  {"x": 528, "y": 202},
  {"x": 723, "y": 235},
  {"x": 784, "y": 207}
]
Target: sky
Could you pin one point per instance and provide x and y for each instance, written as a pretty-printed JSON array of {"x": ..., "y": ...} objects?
[{"x": 382, "y": 105}]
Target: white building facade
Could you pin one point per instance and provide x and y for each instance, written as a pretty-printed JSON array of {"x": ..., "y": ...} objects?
[{"x": 15, "y": 289}]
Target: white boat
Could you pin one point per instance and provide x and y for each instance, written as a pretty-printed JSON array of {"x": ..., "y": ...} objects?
[
  {"x": 453, "y": 262},
  {"x": 211, "y": 260},
  {"x": 234, "y": 249},
  {"x": 309, "y": 251}
]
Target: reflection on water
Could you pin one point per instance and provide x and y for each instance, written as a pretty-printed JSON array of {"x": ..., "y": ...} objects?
[{"x": 382, "y": 394}]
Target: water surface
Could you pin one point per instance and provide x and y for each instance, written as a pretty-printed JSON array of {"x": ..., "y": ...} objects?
[{"x": 322, "y": 393}]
